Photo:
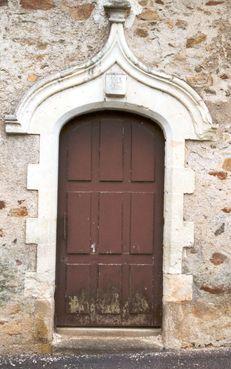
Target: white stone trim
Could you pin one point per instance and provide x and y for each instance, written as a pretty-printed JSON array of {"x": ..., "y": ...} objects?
[{"x": 165, "y": 99}]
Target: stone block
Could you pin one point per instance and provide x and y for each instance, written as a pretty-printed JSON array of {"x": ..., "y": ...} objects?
[
  {"x": 227, "y": 164},
  {"x": 32, "y": 230},
  {"x": 195, "y": 40},
  {"x": 33, "y": 177},
  {"x": 81, "y": 12},
  {"x": 149, "y": 15},
  {"x": 177, "y": 287},
  {"x": 37, "y": 4}
]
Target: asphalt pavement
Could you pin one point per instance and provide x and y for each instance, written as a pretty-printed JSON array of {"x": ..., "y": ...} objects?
[{"x": 184, "y": 359}]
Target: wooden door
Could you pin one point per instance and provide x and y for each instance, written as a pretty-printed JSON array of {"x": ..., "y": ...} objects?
[{"x": 110, "y": 222}]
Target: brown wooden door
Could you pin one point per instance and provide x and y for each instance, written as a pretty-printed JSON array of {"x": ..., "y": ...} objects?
[{"x": 110, "y": 222}]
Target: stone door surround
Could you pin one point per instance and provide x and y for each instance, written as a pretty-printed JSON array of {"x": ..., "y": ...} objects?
[{"x": 113, "y": 79}]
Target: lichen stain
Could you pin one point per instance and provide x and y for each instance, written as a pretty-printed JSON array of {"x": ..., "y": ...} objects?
[
  {"x": 109, "y": 303},
  {"x": 79, "y": 304},
  {"x": 139, "y": 304},
  {"x": 8, "y": 282},
  {"x": 41, "y": 331}
]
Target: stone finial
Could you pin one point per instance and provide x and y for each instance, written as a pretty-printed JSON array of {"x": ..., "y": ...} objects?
[{"x": 117, "y": 10}]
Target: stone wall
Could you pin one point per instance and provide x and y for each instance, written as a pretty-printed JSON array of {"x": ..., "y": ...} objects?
[{"x": 187, "y": 38}]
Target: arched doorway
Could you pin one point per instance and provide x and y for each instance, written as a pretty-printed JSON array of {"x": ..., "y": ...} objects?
[
  {"x": 113, "y": 79},
  {"x": 110, "y": 222}
]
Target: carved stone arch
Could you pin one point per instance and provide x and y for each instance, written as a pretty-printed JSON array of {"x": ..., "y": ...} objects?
[{"x": 113, "y": 79}]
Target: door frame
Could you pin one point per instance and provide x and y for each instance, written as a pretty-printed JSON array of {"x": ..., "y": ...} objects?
[{"x": 115, "y": 80}]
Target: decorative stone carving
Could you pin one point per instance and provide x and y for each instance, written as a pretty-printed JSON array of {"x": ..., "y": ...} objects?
[
  {"x": 117, "y": 10},
  {"x": 115, "y": 84}
]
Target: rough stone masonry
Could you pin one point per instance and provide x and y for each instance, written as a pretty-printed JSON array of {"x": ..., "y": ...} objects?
[{"x": 187, "y": 38}]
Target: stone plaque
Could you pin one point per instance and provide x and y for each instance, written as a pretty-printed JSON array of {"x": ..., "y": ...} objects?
[{"x": 115, "y": 84}]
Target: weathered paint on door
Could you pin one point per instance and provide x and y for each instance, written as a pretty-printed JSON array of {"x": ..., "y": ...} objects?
[{"x": 110, "y": 222}]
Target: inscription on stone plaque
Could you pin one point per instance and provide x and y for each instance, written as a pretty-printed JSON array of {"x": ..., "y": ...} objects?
[{"x": 115, "y": 84}]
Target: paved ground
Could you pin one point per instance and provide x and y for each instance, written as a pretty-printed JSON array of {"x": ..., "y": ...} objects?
[{"x": 198, "y": 359}]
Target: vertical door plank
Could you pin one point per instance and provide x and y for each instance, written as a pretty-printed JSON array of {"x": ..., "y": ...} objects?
[
  {"x": 111, "y": 151},
  {"x": 142, "y": 223},
  {"x": 143, "y": 154},
  {"x": 141, "y": 289},
  {"x": 78, "y": 289},
  {"x": 79, "y": 153},
  {"x": 110, "y": 223},
  {"x": 109, "y": 289},
  {"x": 79, "y": 222}
]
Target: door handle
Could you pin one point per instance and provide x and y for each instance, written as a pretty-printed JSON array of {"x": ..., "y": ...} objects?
[{"x": 93, "y": 248}]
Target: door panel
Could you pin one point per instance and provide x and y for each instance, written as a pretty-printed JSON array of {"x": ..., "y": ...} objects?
[
  {"x": 142, "y": 223},
  {"x": 109, "y": 289},
  {"x": 111, "y": 150},
  {"x": 78, "y": 213},
  {"x": 143, "y": 154},
  {"x": 79, "y": 169},
  {"x": 141, "y": 294},
  {"x": 78, "y": 293},
  {"x": 110, "y": 222}
]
